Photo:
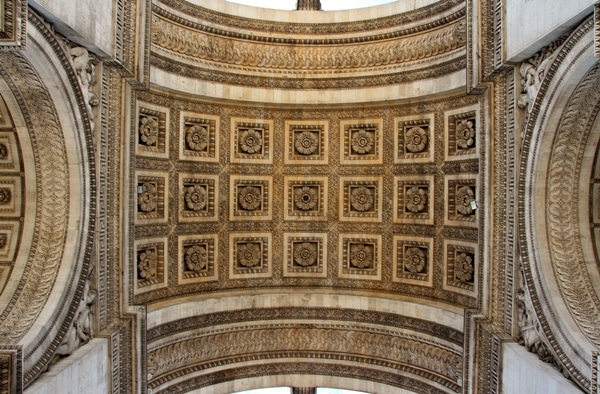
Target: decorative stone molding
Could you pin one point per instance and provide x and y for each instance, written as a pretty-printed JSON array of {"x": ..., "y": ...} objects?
[
  {"x": 13, "y": 24},
  {"x": 461, "y": 267},
  {"x": 199, "y": 137},
  {"x": 414, "y": 199},
  {"x": 250, "y": 255},
  {"x": 307, "y": 142},
  {"x": 251, "y": 141},
  {"x": 413, "y": 260},
  {"x": 152, "y": 203},
  {"x": 361, "y": 199},
  {"x": 300, "y": 341},
  {"x": 308, "y": 5},
  {"x": 198, "y": 197},
  {"x": 150, "y": 259},
  {"x": 193, "y": 42},
  {"x": 360, "y": 256},
  {"x": 361, "y": 141},
  {"x": 82, "y": 329},
  {"x": 462, "y": 197},
  {"x": 250, "y": 198},
  {"x": 306, "y": 199},
  {"x": 565, "y": 66},
  {"x": 151, "y": 128},
  {"x": 305, "y": 255},
  {"x": 533, "y": 72},
  {"x": 11, "y": 369},
  {"x": 463, "y": 129},
  {"x": 414, "y": 139},
  {"x": 198, "y": 258}
]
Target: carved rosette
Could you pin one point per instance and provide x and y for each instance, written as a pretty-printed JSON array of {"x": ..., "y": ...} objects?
[
  {"x": 250, "y": 255},
  {"x": 250, "y": 197}
]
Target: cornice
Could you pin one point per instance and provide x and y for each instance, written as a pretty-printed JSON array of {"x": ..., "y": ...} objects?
[{"x": 195, "y": 12}]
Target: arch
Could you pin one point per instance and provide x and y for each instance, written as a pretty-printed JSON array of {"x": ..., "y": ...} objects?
[
  {"x": 556, "y": 135},
  {"x": 48, "y": 280}
]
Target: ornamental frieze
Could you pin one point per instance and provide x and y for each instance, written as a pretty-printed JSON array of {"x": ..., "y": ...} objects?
[
  {"x": 304, "y": 55},
  {"x": 373, "y": 345}
]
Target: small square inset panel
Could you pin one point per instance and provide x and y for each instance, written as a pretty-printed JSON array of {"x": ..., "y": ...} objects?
[
  {"x": 251, "y": 141},
  {"x": 413, "y": 139},
  {"x": 413, "y": 258},
  {"x": 463, "y": 132},
  {"x": 250, "y": 198},
  {"x": 306, "y": 141},
  {"x": 361, "y": 199},
  {"x": 10, "y": 196},
  {"x": 462, "y": 196},
  {"x": 361, "y": 141},
  {"x": 413, "y": 199},
  {"x": 306, "y": 199},
  {"x": 197, "y": 258},
  {"x": 152, "y": 136},
  {"x": 199, "y": 137},
  {"x": 9, "y": 235},
  {"x": 149, "y": 267},
  {"x": 460, "y": 267},
  {"x": 9, "y": 152},
  {"x": 360, "y": 256},
  {"x": 151, "y": 204},
  {"x": 249, "y": 255},
  {"x": 198, "y": 197},
  {"x": 305, "y": 255}
]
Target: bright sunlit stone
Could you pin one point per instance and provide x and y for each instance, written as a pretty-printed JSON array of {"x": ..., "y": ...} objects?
[{"x": 326, "y": 5}]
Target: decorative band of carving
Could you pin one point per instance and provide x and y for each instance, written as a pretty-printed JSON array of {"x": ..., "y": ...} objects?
[
  {"x": 52, "y": 173},
  {"x": 529, "y": 264},
  {"x": 302, "y": 341},
  {"x": 232, "y": 78},
  {"x": 370, "y": 25},
  {"x": 425, "y": 327},
  {"x": 196, "y": 44},
  {"x": 562, "y": 205},
  {"x": 333, "y": 368}
]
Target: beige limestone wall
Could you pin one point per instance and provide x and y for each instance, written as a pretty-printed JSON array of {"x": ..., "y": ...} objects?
[
  {"x": 84, "y": 371},
  {"x": 533, "y": 24},
  {"x": 524, "y": 372},
  {"x": 86, "y": 22}
]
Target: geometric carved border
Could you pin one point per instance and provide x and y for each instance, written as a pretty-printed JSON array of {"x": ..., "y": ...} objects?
[
  {"x": 10, "y": 196},
  {"x": 306, "y": 141},
  {"x": 9, "y": 236},
  {"x": 9, "y": 152},
  {"x": 414, "y": 199},
  {"x": 414, "y": 139},
  {"x": 305, "y": 198},
  {"x": 152, "y": 205},
  {"x": 463, "y": 132},
  {"x": 305, "y": 255},
  {"x": 249, "y": 255},
  {"x": 361, "y": 141},
  {"x": 13, "y": 22},
  {"x": 250, "y": 197},
  {"x": 199, "y": 137},
  {"x": 361, "y": 256},
  {"x": 197, "y": 258},
  {"x": 461, "y": 267},
  {"x": 251, "y": 141},
  {"x": 198, "y": 197},
  {"x": 151, "y": 128},
  {"x": 11, "y": 369},
  {"x": 151, "y": 271},
  {"x": 413, "y": 260},
  {"x": 361, "y": 198},
  {"x": 461, "y": 195}
]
